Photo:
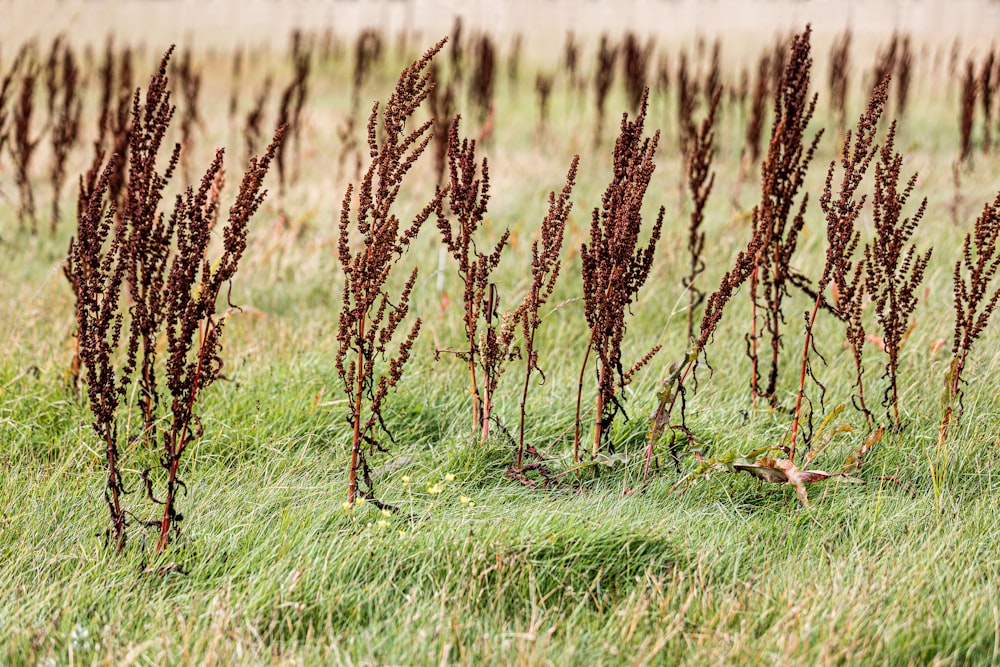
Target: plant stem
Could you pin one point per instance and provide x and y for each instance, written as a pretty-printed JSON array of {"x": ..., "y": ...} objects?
[
  {"x": 599, "y": 408},
  {"x": 530, "y": 346},
  {"x": 352, "y": 484},
  {"x": 178, "y": 440},
  {"x": 579, "y": 398},
  {"x": 802, "y": 374},
  {"x": 117, "y": 518},
  {"x": 666, "y": 406}
]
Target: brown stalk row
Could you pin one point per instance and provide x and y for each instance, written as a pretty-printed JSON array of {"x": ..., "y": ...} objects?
[{"x": 139, "y": 269}]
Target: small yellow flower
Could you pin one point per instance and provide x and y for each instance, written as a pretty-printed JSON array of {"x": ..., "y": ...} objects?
[
  {"x": 464, "y": 500},
  {"x": 386, "y": 512},
  {"x": 406, "y": 479},
  {"x": 449, "y": 477},
  {"x": 382, "y": 523},
  {"x": 402, "y": 533},
  {"x": 471, "y": 504},
  {"x": 346, "y": 506},
  {"x": 361, "y": 501},
  {"x": 434, "y": 490}
]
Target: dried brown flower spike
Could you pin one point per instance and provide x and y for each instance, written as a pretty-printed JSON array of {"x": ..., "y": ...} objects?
[
  {"x": 895, "y": 269},
  {"x": 369, "y": 314},
  {"x": 614, "y": 267}
]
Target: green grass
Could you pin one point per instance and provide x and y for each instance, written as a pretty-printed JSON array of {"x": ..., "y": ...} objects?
[{"x": 271, "y": 568}]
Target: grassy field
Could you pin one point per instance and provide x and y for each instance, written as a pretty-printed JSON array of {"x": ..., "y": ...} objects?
[{"x": 475, "y": 568}]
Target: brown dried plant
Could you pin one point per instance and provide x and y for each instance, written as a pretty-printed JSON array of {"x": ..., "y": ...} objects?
[
  {"x": 6, "y": 89},
  {"x": 614, "y": 268},
  {"x": 687, "y": 100},
  {"x": 635, "y": 68},
  {"x": 293, "y": 99},
  {"x": 895, "y": 269},
  {"x": 193, "y": 329},
  {"x": 370, "y": 315},
  {"x": 95, "y": 267},
  {"x": 758, "y": 107},
  {"x": 67, "y": 106},
  {"x": 970, "y": 89},
  {"x": 986, "y": 93},
  {"x": 570, "y": 61},
  {"x": 700, "y": 179},
  {"x": 483, "y": 74},
  {"x": 545, "y": 266},
  {"x": 842, "y": 235},
  {"x": 149, "y": 239},
  {"x": 604, "y": 76},
  {"x": 514, "y": 59},
  {"x": 903, "y": 76},
  {"x": 441, "y": 101},
  {"x": 782, "y": 174},
  {"x": 235, "y": 85},
  {"x": 253, "y": 126},
  {"x": 543, "y": 89},
  {"x": 975, "y": 301},
  {"x": 367, "y": 53},
  {"x": 468, "y": 196},
  {"x": 174, "y": 290},
  {"x": 189, "y": 79},
  {"x": 755, "y": 125},
  {"x": 24, "y": 145},
  {"x": 839, "y": 69}
]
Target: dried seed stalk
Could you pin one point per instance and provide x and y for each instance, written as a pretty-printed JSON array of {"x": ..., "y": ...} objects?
[
  {"x": 468, "y": 195},
  {"x": 370, "y": 315},
  {"x": 842, "y": 235},
  {"x": 615, "y": 267},
  {"x": 545, "y": 265},
  {"x": 975, "y": 301},
  {"x": 782, "y": 174},
  {"x": 895, "y": 269}
]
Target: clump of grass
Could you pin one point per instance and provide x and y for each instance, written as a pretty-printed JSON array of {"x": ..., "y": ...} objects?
[
  {"x": 369, "y": 315},
  {"x": 614, "y": 269}
]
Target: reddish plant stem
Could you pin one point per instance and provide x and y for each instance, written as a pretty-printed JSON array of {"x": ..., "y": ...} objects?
[
  {"x": 802, "y": 374},
  {"x": 530, "y": 345},
  {"x": 117, "y": 518},
  {"x": 487, "y": 398},
  {"x": 579, "y": 399},
  {"x": 474, "y": 388},
  {"x": 352, "y": 484},
  {"x": 179, "y": 442},
  {"x": 599, "y": 408},
  {"x": 754, "y": 389}
]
